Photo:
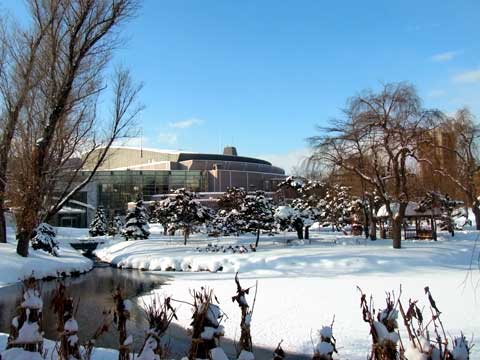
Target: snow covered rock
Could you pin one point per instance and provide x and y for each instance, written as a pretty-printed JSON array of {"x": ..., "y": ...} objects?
[
  {"x": 246, "y": 355},
  {"x": 461, "y": 350},
  {"x": 218, "y": 354},
  {"x": 20, "y": 354}
]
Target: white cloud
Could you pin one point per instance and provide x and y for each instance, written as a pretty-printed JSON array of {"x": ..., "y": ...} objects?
[
  {"x": 184, "y": 124},
  {"x": 467, "y": 77},
  {"x": 446, "y": 56},
  {"x": 167, "y": 138},
  {"x": 288, "y": 161}
]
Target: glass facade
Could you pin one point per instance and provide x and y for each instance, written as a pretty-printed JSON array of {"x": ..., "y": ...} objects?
[{"x": 116, "y": 188}]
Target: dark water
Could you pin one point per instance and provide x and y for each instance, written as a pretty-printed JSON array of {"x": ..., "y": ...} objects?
[{"x": 94, "y": 290}]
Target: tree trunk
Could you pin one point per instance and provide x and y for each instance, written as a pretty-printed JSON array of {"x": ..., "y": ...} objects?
[
  {"x": 23, "y": 240},
  {"x": 299, "y": 230},
  {"x": 476, "y": 213},
  {"x": 28, "y": 219},
  {"x": 3, "y": 224},
  {"x": 366, "y": 220},
  {"x": 185, "y": 235},
  {"x": 258, "y": 238},
  {"x": 373, "y": 229},
  {"x": 397, "y": 232}
]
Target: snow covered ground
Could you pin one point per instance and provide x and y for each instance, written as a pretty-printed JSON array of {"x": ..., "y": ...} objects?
[
  {"x": 18, "y": 354},
  {"x": 301, "y": 287},
  {"x": 14, "y": 268}
]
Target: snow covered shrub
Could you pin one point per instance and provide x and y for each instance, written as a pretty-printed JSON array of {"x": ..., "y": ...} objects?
[
  {"x": 44, "y": 239},
  {"x": 26, "y": 328},
  {"x": 120, "y": 317},
  {"x": 383, "y": 328},
  {"x": 278, "y": 353},
  {"x": 136, "y": 225},
  {"x": 326, "y": 344},
  {"x": 67, "y": 326},
  {"x": 206, "y": 329},
  {"x": 237, "y": 249},
  {"x": 99, "y": 225},
  {"x": 246, "y": 345},
  {"x": 421, "y": 346},
  {"x": 160, "y": 314}
]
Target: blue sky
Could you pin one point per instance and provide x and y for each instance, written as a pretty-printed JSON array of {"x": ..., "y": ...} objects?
[{"x": 260, "y": 74}]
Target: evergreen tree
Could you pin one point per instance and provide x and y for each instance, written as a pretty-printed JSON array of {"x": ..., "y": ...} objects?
[
  {"x": 309, "y": 195},
  {"x": 44, "y": 239},
  {"x": 232, "y": 199},
  {"x": 186, "y": 212},
  {"x": 257, "y": 214},
  {"x": 136, "y": 225},
  {"x": 337, "y": 206},
  {"x": 226, "y": 222},
  {"x": 162, "y": 213},
  {"x": 99, "y": 225},
  {"x": 116, "y": 225}
]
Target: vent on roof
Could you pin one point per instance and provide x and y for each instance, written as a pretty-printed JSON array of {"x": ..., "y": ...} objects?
[{"x": 230, "y": 150}]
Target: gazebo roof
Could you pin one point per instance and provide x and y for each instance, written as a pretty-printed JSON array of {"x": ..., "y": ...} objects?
[{"x": 410, "y": 212}]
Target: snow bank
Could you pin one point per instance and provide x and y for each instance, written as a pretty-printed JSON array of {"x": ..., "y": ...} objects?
[
  {"x": 14, "y": 268},
  {"x": 329, "y": 254}
]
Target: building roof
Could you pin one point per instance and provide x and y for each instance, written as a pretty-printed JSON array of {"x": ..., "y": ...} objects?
[
  {"x": 137, "y": 148},
  {"x": 409, "y": 212}
]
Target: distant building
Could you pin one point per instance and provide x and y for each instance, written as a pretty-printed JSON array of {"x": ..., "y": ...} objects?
[
  {"x": 435, "y": 146},
  {"x": 129, "y": 173}
]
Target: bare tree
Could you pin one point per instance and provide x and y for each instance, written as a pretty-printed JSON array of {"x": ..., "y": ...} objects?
[
  {"x": 18, "y": 52},
  {"x": 377, "y": 140},
  {"x": 59, "y": 120},
  {"x": 462, "y": 154}
]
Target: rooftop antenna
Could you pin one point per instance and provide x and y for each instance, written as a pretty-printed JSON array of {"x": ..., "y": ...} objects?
[{"x": 141, "y": 142}]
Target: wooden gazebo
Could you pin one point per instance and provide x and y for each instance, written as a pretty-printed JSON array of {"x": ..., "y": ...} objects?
[{"x": 417, "y": 224}]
